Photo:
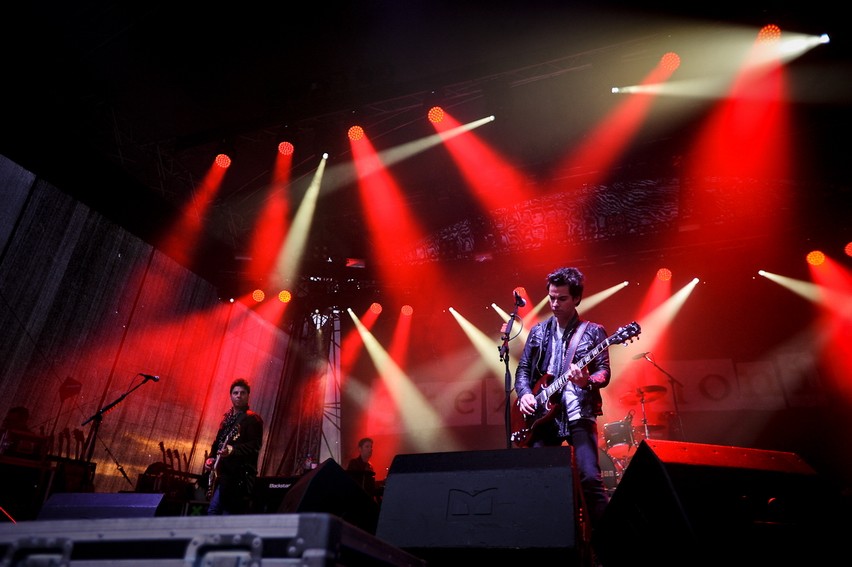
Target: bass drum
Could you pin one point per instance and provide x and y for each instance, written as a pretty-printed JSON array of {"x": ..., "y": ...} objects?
[
  {"x": 611, "y": 470},
  {"x": 619, "y": 439}
]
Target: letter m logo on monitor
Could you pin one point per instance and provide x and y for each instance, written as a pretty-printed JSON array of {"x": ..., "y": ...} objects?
[{"x": 461, "y": 503}]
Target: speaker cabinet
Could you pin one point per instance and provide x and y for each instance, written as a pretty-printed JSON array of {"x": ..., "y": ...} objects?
[
  {"x": 73, "y": 475},
  {"x": 695, "y": 504},
  {"x": 328, "y": 489},
  {"x": 24, "y": 489},
  {"x": 482, "y": 505},
  {"x": 85, "y": 505},
  {"x": 269, "y": 492}
]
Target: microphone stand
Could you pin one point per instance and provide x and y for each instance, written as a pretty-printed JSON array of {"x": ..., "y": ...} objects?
[
  {"x": 89, "y": 447},
  {"x": 504, "y": 357},
  {"x": 672, "y": 381}
]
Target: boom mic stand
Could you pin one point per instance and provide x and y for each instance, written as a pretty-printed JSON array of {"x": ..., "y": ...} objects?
[
  {"x": 504, "y": 357},
  {"x": 672, "y": 381},
  {"x": 97, "y": 417}
]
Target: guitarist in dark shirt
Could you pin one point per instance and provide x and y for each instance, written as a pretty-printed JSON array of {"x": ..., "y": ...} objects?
[
  {"x": 232, "y": 462},
  {"x": 570, "y": 414}
]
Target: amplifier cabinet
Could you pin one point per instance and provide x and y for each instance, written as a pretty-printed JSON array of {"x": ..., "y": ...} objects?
[
  {"x": 269, "y": 492},
  {"x": 258, "y": 540}
]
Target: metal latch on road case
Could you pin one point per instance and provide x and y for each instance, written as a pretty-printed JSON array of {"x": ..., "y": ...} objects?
[
  {"x": 225, "y": 550},
  {"x": 39, "y": 552}
]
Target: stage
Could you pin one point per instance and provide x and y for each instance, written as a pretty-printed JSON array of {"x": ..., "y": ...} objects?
[{"x": 676, "y": 503}]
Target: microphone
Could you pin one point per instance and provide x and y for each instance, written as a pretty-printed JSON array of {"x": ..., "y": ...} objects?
[
  {"x": 519, "y": 301},
  {"x": 150, "y": 377},
  {"x": 640, "y": 355}
]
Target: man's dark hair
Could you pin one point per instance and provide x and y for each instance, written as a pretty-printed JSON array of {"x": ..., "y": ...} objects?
[
  {"x": 240, "y": 382},
  {"x": 364, "y": 440},
  {"x": 572, "y": 277}
]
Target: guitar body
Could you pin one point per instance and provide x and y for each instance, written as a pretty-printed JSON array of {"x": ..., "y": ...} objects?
[
  {"x": 526, "y": 428},
  {"x": 213, "y": 477}
]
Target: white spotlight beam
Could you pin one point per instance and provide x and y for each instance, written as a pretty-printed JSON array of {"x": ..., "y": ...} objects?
[
  {"x": 658, "y": 320},
  {"x": 290, "y": 257},
  {"x": 413, "y": 409},
  {"x": 489, "y": 356},
  {"x": 837, "y": 302}
]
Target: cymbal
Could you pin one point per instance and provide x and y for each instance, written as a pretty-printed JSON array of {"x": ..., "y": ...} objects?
[{"x": 648, "y": 394}]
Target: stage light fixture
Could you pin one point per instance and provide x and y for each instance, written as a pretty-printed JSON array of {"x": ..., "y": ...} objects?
[
  {"x": 670, "y": 61},
  {"x": 223, "y": 160},
  {"x": 225, "y": 153},
  {"x": 435, "y": 115},
  {"x": 769, "y": 33},
  {"x": 319, "y": 319},
  {"x": 815, "y": 258}
]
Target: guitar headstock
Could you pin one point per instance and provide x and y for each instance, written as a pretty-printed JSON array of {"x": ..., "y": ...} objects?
[{"x": 626, "y": 333}]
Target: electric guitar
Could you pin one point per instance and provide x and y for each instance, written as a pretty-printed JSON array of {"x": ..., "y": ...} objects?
[
  {"x": 213, "y": 478},
  {"x": 525, "y": 427}
]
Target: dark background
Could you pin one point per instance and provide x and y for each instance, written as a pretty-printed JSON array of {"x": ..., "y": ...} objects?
[{"x": 124, "y": 105}]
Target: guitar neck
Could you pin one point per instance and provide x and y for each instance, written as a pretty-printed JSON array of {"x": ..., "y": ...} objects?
[{"x": 559, "y": 382}]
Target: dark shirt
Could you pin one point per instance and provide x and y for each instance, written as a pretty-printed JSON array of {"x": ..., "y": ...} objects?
[
  {"x": 237, "y": 471},
  {"x": 362, "y": 472}
]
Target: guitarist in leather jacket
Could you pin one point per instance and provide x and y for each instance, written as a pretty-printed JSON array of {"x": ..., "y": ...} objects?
[
  {"x": 232, "y": 461},
  {"x": 571, "y": 415}
]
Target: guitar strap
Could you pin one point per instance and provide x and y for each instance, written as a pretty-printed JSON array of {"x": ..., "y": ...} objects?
[
  {"x": 228, "y": 426},
  {"x": 572, "y": 345}
]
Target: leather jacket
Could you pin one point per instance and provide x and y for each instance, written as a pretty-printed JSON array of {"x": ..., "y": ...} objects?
[{"x": 536, "y": 355}]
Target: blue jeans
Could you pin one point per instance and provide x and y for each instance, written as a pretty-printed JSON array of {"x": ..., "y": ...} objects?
[
  {"x": 583, "y": 437},
  {"x": 215, "y": 507}
]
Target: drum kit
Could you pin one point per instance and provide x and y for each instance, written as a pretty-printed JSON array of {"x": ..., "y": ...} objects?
[{"x": 621, "y": 437}]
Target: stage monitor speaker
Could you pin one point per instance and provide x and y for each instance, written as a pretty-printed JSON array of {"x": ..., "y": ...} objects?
[
  {"x": 328, "y": 489},
  {"x": 481, "y": 505},
  {"x": 696, "y": 504},
  {"x": 87, "y": 505}
]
